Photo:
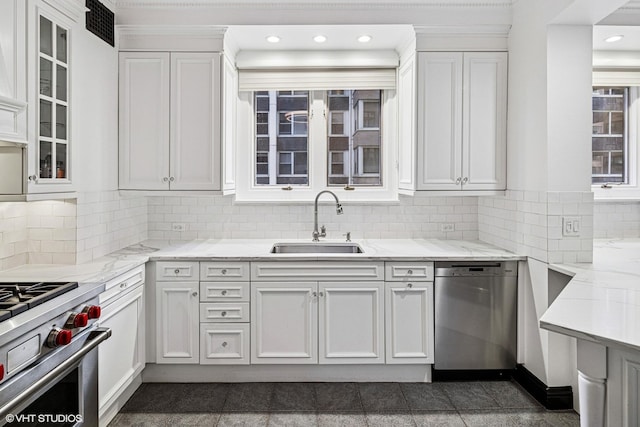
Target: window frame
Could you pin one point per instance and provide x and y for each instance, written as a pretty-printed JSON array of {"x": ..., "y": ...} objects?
[
  {"x": 318, "y": 157},
  {"x": 630, "y": 190}
]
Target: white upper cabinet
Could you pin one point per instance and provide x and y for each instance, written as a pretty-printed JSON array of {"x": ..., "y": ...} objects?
[
  {"x": 407, "y": 125},
  {"x": 462, "y": 120},
  {"x": 144, "y": 120},
  {"x": 169, "y": 121}
]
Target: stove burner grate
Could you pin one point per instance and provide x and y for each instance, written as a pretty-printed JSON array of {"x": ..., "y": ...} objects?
[{"x": 16, "y": 298}]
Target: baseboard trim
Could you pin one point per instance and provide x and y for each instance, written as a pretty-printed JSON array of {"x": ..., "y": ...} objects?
[
  {"x": 473, "y": 375},
  {"x": 549, "y": 397}
]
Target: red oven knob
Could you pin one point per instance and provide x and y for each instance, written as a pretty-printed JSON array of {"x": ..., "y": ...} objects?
[
  {"x": 58, "y": 337},
  {"x": 77, "y": 320},
  {"x": 93, "y": 311}
]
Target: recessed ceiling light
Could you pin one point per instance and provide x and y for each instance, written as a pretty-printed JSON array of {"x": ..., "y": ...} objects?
[
  {"x": 319, "y": 39},
  {"x": 364, "y": 39},
  {"x": 614, "y": 38},
  {"x": 273, "y": 39}
]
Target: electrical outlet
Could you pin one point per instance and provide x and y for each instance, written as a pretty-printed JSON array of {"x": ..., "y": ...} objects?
[
  {"x": 178, "y": 226},
  {"x": 571, "y": 226},
  {"x": 447, "y": 227}
]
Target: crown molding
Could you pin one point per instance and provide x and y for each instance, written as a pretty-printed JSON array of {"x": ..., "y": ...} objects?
[
  {"x": 206, "y": 38},
  {"x": 209, "y": 31},
  {"x": 467, "y": 30},
  {"x": 298, "y": 4},
  {"x": 12, "y": 105},
  {"x": 73, "y": 9}
]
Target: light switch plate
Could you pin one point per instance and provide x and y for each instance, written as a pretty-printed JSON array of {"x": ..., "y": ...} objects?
[
  {"x": 447, "y": 227},
  {"x": 571, "y": 226}
]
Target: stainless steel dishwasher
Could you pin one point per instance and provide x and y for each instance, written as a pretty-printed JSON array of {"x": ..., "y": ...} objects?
[{"x": 475, "y": 317}]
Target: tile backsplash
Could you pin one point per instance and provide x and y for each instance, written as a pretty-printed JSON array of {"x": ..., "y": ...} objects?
[
  {"x": 616, "y": 219},
  {"x": 530, "y": 223},
  {"x": 217, "y": 217}
]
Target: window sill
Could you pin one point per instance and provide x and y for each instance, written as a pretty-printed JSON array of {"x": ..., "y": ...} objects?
[{"x": 615, "y": 194}]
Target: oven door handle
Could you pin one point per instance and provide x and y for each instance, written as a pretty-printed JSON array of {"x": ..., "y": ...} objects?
[{"x": 95, "y": 337}]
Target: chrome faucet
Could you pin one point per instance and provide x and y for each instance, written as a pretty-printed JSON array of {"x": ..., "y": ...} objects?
[{"x": 323, "y": 231}]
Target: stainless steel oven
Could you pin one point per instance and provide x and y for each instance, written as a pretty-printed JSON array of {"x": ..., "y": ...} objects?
[{"x": 49, "y": 360}]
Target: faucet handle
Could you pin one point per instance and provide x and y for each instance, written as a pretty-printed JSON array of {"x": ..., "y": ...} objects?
[{"x": 348, "y": 236}]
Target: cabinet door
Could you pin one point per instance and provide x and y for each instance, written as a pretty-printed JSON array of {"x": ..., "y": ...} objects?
[
  {"x": 284, "y": 322},
  {"x": 407, "y": 125},
  {"x": 229, "y": 114},
  {"x": 177, "y": 322},
  {"x": 121, "y": 357},
  {"x": 440, "y": 121},
  {"x": 224, "y": 344},
  {"x": 195, "y": 121},
  {"x": 351, "y": 322},
  {"x": 484, "y": 121},
  {"x": 409, "y": 322},
  {"x": 144, "y": 121}
]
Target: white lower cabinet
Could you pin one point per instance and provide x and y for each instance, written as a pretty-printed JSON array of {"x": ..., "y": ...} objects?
[
  {"x": 351, "y": 322},
  {"x": 409, "y": 322},
  {"x": 623, "y": 388},
  {"x": 122, "y": 357},
  {"x": 224, "y": 343},
  {"x": 177, "y": 322},
  {"x": 289, "y": 319},
  {"x": 284, "y": 322}
]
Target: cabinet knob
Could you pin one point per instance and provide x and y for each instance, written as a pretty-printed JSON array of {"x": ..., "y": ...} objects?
[
  {"x": 409, "y": 272},
  {"x": 314, "y": 294},
  {"x": 171, "y": 179},
  {"x": 464, "y": 181},
  {"x": 176, "y": 271},
  {"x": 321, "y": 294},
  {"x": 224, "y": 344},
  {"x": 409, "y": 285},
  {"x": 195, "y": 294},
  {"x": 458, "y": 180},
  {"x": 224, "y": 292},
  {"x": 32, "y": 178},
  {"x": 123, "y": 285},
  {"x": 224, "y": 271},
  {"x": 165, "y": 179},
  {"x": 223, "y": 314}
]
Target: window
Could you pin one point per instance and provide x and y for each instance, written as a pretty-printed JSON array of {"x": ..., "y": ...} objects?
[
  {"x": 350, "y": 135},
  {"x": 610, "y": 135}
]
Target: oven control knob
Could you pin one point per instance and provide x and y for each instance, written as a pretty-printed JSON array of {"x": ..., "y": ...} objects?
[
  {"x": 1, "y": 372},
  {"x": 58, "y": 337},
  {"x": 77, "y": 320},
  {"x": 93, "y": 311}
]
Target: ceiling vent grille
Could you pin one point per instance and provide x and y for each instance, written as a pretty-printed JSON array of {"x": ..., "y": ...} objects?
[{"x": 100, "y": 21}]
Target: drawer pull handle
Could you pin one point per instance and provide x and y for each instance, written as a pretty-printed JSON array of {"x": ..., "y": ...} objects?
[
  {"x": 409, "y": 272},
  {"x": 176, "y": 271},
  {"x": 224, "y": 271},
  {"x": 224, "y": 344},
  {"x": 224, "y": 292},
  {"x": 195, "y": 294},
  {"x": 223, "y": 314}
]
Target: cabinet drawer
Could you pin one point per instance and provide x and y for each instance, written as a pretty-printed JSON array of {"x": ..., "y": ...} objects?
[
  {"x": 224, "y": 291},
  {"x": 122, "y": 283},
  {"x": 224, "y": 344},
  {"x": 228, "y": 271},
  {"x": 405, "y": 271},
  {"x": 177, "y": 271},
  {"x": 297, "y": 271},
  {"x": 218, "y": 312}
]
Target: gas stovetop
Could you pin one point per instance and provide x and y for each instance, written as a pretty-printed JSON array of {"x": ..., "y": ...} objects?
[{"x": 16, "y": 298}]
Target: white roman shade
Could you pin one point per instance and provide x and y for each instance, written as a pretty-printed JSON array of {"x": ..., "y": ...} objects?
[
  {"x": 253, "y": 80},
  {"x": 295, "y": 70}
]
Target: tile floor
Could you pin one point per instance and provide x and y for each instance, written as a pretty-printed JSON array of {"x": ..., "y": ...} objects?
[{"x": 501, "y": 403}]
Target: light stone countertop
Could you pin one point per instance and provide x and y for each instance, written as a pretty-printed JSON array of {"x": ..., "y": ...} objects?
[
  {"x": 601, "y": 303},
  {"x": 374, "y": 250},
  {"x": 112, "y": 265}
]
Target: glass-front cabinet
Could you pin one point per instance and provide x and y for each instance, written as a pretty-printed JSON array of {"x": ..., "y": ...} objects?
[{"x": 53, "y": 101}]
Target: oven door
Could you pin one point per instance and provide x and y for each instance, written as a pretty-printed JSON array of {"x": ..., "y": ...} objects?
[{"x": 60, "y": 389}]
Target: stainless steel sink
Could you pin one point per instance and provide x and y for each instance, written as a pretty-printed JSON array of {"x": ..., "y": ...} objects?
[{"x": 316, "y": 248}]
